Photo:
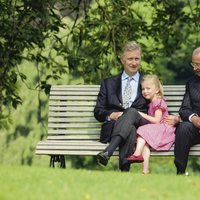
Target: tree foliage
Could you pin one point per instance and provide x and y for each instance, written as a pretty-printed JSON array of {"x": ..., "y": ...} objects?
[
  {"x": 24, "y": 28},
  {"x": 168, "y": 30}
]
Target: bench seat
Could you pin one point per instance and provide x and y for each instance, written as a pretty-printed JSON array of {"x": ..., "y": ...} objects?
[{"x": 89, "y": 148}]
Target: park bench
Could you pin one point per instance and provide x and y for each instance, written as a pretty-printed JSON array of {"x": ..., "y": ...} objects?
[{"x": 73, "y": 130}]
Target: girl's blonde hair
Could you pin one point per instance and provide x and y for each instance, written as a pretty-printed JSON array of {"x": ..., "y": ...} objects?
[{"x": 156, "y": 81}]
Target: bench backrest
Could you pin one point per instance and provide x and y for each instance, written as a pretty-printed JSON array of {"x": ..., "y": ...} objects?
[{"x": 71, "y": 110}]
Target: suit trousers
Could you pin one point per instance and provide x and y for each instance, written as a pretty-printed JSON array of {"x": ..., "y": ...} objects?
[
  {"x": 187, "y": 135},
  {"x": 125, "y": 127}
]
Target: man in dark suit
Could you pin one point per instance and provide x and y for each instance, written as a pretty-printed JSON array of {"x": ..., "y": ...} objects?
[
  {"x": 188, "y": 131},
  {"x": 117, "y": 103}
]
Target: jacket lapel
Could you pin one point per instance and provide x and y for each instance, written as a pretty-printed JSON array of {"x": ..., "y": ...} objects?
[
  {"x": 118, "y": 87},
  {"x": 139, "y": 91}
]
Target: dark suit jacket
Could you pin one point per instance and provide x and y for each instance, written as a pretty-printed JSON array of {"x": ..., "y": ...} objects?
[
  {"x": 191, "y": 99},
  {"x": 110, "y": 100}
]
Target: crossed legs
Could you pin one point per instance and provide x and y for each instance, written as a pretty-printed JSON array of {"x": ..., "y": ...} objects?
[{"x": 125, "y": 129}]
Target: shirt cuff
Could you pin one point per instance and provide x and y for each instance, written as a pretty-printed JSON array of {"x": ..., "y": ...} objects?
[
  {"x": 190, "y": 117},
  {"x": 108, "y": 119}
]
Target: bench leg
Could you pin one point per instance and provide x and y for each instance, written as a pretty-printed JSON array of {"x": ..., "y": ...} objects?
[
  {"x": 52, "y": 161},
  {"x": 62, "y": 161},
  {"x": 57, "y": 158}
]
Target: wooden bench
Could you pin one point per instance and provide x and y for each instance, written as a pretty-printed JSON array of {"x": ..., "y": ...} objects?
[{"x": 72, "y": 128}]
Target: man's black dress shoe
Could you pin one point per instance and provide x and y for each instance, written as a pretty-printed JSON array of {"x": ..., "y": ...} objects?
[
  {"x": 125, "y": 167},
  {"x": 180, "y": 169},
  {"x": 103, "y": 158}
]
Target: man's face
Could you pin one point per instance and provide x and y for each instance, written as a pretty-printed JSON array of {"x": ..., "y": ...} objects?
[
  {"x": 131, "y": 61},
  {"x": 196, "y": 63}
]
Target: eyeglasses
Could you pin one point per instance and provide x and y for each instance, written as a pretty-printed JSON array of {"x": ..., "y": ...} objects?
[{"x": 195, "y": 64}]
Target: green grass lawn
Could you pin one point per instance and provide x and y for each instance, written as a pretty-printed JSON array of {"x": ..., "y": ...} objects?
[{"x": 26, "y": 183}]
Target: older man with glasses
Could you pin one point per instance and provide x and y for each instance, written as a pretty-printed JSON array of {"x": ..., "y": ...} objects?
[{"x": 188, "y": 131}]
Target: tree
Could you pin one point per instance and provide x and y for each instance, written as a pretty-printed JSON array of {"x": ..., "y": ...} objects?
[{"x": 24, "y": 28}]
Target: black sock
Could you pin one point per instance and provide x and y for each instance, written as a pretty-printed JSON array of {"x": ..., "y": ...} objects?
[{"x": 114, "y": 143}]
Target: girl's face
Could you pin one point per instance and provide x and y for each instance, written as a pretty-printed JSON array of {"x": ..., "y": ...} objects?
[{"x": 149, "y": 90}]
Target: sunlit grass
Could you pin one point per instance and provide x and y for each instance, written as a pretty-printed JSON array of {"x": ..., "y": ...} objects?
[{"x": 19, "y": 182}]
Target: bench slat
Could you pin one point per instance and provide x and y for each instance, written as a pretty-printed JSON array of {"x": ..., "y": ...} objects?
[
  {"x": 87, "y": 109},
  {"x": 92, "y": 153},
  {"x": 76, "y": 131},
  {"x": 74, "y": 98},
  {"x": 73, "y": 137},
  {"x": 75, "y": 119},
  {"x": 72, "y": 103},
  {"x": 74, "y": 93},
  {"x": 69, "y": 146},
  {"x": 77, "y": 125},
  {"x": 71, "y": 114},
  {"x": 57, "y": 152},
  {"x": 72, "y": 108}
]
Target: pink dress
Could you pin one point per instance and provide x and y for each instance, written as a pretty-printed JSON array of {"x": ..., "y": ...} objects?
[{"x": 159, "y": 136}]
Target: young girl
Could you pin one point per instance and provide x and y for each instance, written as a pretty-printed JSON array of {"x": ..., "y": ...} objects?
[{"x": 157, "y": 134}]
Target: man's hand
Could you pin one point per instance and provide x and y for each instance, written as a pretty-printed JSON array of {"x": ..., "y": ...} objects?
[
  {"x": 115, "y": 115},
  {"x": 172, "y": 120},
  {"x": 196, "y": 121}
]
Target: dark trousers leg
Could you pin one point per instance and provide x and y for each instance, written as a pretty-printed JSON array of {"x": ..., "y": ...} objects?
[
  {"x": 114, "y": 143},
  {"x": 125, "y": 127},
  {"x": 126, "y": 148},
  {"x": 131, "y": 118},
  {"x": 186, "y": 136}
]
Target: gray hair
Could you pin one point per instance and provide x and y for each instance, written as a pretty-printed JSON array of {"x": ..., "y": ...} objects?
[
  {"x": 196, "y": 51},
  {"x": 131, "y": 46}
]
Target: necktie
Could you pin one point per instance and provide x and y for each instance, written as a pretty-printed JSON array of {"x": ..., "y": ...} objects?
[{"x": 127, "y": 93}]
